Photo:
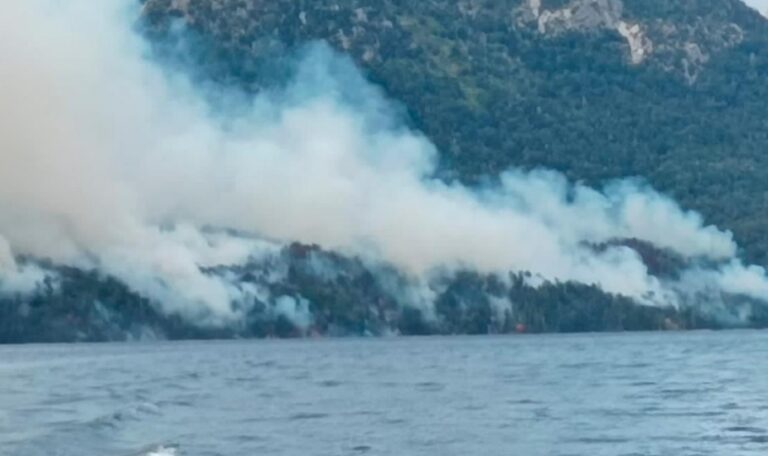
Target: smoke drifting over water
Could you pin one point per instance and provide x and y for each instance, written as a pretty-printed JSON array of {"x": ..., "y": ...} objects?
[{"x": 109, "y": 161}]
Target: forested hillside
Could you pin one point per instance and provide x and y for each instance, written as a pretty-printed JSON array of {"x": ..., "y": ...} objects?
[
  {"x": 320, "y": 293},
  {"x": 673, "y": 92}
]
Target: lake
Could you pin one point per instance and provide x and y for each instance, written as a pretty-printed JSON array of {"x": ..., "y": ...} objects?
[{"x": 676, "y": 394}]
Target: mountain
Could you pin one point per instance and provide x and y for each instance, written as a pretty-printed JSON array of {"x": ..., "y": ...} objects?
[
  {"x": 665, "y": 92},
  {"x": 672, "y": 92}
]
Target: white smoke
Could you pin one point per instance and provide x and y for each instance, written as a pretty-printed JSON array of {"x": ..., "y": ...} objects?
[
  {"x": 109, "y": 161},
  {"x": 731, "y": 278},
  {"x": 295, "y": 310},
  {"x": 15, "y": 278}
]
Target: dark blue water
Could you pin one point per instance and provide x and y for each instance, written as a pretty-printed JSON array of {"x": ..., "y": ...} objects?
[{"x": 628, "y": 394}]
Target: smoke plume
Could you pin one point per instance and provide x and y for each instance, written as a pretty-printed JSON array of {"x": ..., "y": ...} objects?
[{"x": 110, "y": 161}]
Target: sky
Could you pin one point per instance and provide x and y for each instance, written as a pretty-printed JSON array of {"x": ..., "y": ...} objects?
[{"x": 760, "y": 5}]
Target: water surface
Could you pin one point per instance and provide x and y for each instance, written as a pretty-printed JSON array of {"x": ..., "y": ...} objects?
[{"x": 622, "y": 394}]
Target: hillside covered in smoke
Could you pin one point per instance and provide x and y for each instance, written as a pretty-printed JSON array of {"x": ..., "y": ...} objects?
[
  {"x": 214, "y": 168},
  {"x": 670, "y": 91}
]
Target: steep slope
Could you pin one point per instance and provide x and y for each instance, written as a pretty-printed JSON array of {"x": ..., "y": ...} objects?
[
  {"x": 599, "y": 89},
  {"x": 309, "y": 207}
]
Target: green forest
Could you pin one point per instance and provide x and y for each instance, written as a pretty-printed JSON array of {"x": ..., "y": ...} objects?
[{"x": 493, "y": 92}]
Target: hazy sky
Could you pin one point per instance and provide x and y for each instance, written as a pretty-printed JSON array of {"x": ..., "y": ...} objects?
[{"x": 760, "y": 5}]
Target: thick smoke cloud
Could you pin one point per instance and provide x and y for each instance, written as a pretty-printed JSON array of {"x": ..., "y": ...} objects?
[
  {"x": 109, "y": 161},
  {"x": 15, "y": 278}
]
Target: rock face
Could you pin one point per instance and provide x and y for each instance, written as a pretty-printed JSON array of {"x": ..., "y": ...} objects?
[
  {"x": 593, "y": 14},
  {"x": 688, "y": 47},
  {"x": 684, "y": 47},
  {"x": 639, "y": 44},
  {"x": 579, "y": 14}
]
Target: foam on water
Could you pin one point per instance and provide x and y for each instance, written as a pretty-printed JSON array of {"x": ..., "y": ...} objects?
[{"x": 162, "y": 450}]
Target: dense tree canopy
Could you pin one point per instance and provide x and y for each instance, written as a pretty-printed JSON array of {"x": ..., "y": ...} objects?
[{"x": 492, "y": 92}]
